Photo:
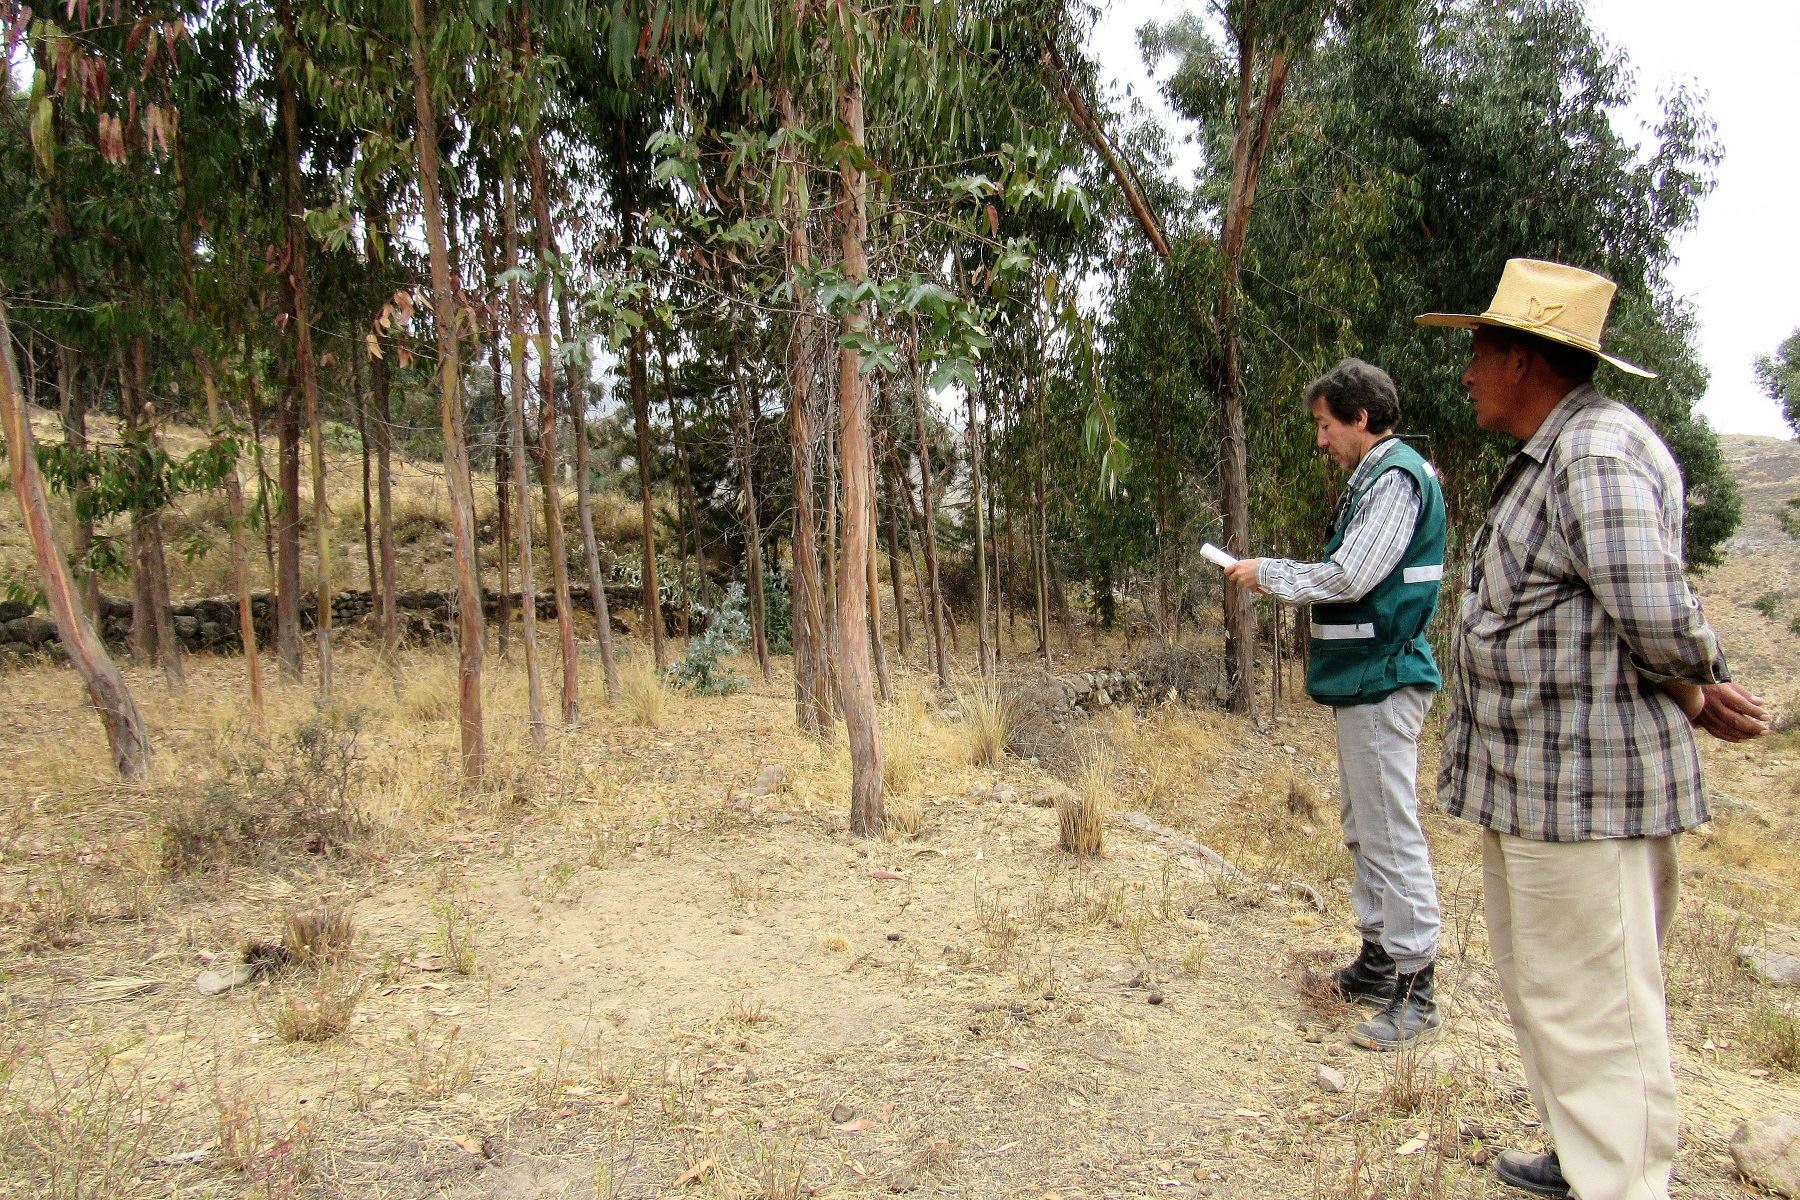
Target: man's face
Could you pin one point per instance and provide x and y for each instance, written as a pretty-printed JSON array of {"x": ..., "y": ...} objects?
[
  {"x": 1344, "y": 442},
  {"x": 1491, "y": 378}
]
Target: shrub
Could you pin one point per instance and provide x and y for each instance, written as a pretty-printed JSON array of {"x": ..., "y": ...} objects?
[
  {"x": 778, "y": 612},
  {"x": 727, "y": 630},
  {"x": 1768, "y": 604},
  {"x": 300, "y": 798}
]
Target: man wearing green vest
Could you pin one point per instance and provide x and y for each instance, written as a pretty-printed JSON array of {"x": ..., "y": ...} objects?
[{"x": 1373, "y": 597}]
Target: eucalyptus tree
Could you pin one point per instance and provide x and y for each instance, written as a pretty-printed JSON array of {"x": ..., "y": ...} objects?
[
  {"x": 1779, "y": 375},
  {"x": 1384, "y": 206}
]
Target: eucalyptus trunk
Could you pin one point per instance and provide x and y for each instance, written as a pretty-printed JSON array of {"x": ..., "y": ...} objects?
[
  {"x": 126, "y": 736},
  {"x": 747, "y": 500},
  {"x": 584, "y": 507},
  {"x": 928, "y": 534},
  {"x": 456, "y": 454},
  {"x": 549, "y": 444},
  {"x": 812, "y": 670},
  {"x": 305, "y": 368},
  {"x": 855, "y": 688},
  {"x": 515, "y": 437}
]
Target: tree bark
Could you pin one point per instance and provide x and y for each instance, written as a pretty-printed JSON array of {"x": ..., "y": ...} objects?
[
  {"x": 361, "y": 409},
  {"x": 684, "y": 498},
  {"x": 640, "y": 408},
  {"x": 902, "y": 638},
  {"x": 287, "y": 525},
  {"x": 549, "y": 445},
  {"x": 515, "y": 436},
  {"x": 928, "y": 534},
  {"x": 1255, "y": 126},
  {"x": 503, "y": 503},
  {"x": 812, "y": 672},
  {"x": 74, "y": 425},
  {"x": 381, "y": 422},
  {"x": 747, "y": 500},
  {"x": 147, "y": 536},
  {"x": 304, "y": 367},
  {"x": 456, "y": 455},
  {"x": 126, "y": 736},
  {"x": 240, "y": 553},
  {"x": 584, "y": 506},
  {"x": 855, "y": 689},
  {"x": 984, "y": 648}
]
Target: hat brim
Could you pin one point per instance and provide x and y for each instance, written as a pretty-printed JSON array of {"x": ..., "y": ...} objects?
[{"x": 1476, "y": 320}]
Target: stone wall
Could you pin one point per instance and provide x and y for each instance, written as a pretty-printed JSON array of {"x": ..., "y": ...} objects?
[{"x": 210, "y": 626}]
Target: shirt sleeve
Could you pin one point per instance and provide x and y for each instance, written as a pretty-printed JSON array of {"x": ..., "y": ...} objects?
[
  {"x": 1373, "y": 546},
  {"x": 1612, "y": 516}
]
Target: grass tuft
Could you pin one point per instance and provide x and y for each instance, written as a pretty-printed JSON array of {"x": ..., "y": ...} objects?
[
  {"x": 1081, "y": 810},
  {"x": 987, "y": 723},
  {"x": 643, "y": 694},
  {"x": 317, "y": 1011}
]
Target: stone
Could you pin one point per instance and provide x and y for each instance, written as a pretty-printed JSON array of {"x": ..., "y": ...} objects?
[
  {"x": 1733, "y": 809},
  {"x": 217, "y": 983},
  {"x": 31, "y": 630},
  {"x": 1771, "y": 966},
  {"x": 1330, "y": 1079},
  {"x": 12, "y": 610},
  {"x": 772, "y": 778},
  {"x": 1767, "y": 1153}
]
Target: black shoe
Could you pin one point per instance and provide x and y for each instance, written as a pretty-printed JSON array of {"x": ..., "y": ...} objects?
[
  {"x": 1408, "y": 1018},
  {"x": 1368, "y": 980},
  {"x": 1538, "y": 1173}
]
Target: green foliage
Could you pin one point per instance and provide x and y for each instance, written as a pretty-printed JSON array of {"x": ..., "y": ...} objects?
[
  {"x": 1780, "y": 378},
  {"x": 1768, "y": 604},
  {"x": 727, "y": 632},
  {"x": 136, "y": 476},
  {"x": 778, "y": 612}
]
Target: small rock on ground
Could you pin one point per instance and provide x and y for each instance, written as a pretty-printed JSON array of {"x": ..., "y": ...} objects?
[
  {"x": 772, "y": 778},
  {"x": 217, "y": 983},
  {"x": 1767, "y": 1152},
  {"x": 1329, "y": 1079},
  {"x": 1772, "y": 966}
]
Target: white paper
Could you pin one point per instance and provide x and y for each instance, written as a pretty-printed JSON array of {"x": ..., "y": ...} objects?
[{"x": 1213, "y": 554}]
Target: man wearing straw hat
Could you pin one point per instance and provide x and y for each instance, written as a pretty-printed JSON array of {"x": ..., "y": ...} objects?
[{"x": 1580, "y": 667}]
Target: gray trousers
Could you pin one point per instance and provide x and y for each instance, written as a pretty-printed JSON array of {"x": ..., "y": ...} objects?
[{"x": 1394, "y": 896}]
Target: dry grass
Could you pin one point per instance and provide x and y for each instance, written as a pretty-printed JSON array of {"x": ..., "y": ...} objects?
[
  {"x": 1011, "y": 985},
  {"x": 319, "y": 938},
  {"x": 317, "y": 1010},
  {"x": 1081, "y": 811},
  {"x": 644, "y": 695},
  {"x": 903, "y": 818},
  {"x": 987, "y": 721}
]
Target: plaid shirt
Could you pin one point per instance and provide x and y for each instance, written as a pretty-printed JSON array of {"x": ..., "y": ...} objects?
[
  {"x": 1576, "y": 609},
  {"x": 1372, "y": 546}
]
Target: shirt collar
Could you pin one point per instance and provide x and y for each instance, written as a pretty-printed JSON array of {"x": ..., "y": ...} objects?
[
  {"x": 1538, "y": 447},
  {"x": 1376, "y": 453}
]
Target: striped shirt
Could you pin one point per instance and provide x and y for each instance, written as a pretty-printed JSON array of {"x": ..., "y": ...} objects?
[
  {"x": 1576, "y": 610},
  {"x": 1372, "y": 546}
]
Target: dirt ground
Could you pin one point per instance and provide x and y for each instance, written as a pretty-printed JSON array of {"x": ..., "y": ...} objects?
[{"x": 613, "y": 972}]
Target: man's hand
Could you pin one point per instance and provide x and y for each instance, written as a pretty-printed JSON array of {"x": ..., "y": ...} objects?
[
  {"x": 1731, "y": 714},
  {"x": 1243, "y": 573}
]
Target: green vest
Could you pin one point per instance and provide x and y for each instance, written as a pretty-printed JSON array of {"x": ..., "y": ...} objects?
[{"x": 1368, "y": 649}]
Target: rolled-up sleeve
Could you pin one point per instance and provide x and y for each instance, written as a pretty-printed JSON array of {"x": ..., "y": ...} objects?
[
  {"x": 1617, "y": 526},
  {"x": 1373, "y": 546}
]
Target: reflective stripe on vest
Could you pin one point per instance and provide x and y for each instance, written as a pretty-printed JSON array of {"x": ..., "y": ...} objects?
[
  {"x": 1423, "y": 574},
  {"x": 1343, "y": 633}
]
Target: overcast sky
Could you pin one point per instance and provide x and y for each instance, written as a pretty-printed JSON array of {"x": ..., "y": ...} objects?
[{"x": 1740, "y": 265}]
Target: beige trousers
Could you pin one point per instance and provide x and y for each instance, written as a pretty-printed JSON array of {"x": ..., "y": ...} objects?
[{"x": 1576, "y": 930}]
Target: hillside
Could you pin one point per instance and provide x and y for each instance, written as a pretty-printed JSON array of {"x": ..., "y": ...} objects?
[{"x": 618, "y": 972}]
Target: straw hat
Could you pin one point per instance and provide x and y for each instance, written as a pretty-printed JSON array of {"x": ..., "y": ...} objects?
[{"x": 1547, "y": 300}]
